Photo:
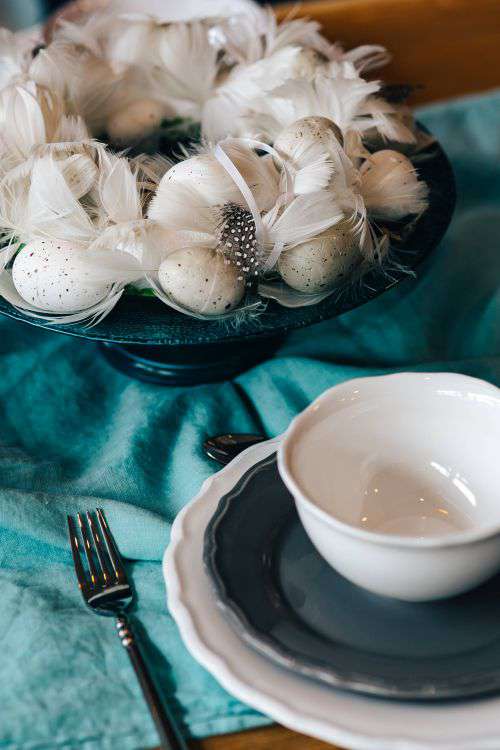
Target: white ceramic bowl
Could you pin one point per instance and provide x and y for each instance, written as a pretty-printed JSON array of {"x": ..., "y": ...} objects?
[{"x": 397, "y": 481}]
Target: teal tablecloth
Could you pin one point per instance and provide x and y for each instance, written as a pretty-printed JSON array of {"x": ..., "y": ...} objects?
[{"x": 75, "y": 434}]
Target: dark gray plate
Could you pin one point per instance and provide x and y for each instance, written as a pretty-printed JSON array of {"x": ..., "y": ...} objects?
[{"x": 288, "y": 604}]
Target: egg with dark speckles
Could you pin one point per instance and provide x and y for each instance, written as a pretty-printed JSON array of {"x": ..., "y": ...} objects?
[
  {"x": 321, "y": 263},
  {"x": 201, "y": 280},
  {"x": 49, "y": 275}
]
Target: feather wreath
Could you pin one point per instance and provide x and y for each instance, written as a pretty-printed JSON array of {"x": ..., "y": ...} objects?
[{"x": 301, "y": 168}]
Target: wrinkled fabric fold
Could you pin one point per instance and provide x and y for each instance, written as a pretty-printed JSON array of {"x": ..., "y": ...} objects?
[{"x": 75, "y": 434}]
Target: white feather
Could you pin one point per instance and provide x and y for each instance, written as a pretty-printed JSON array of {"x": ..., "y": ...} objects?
[
  {"x": 186, "y": 67},
  {"x": 392, "y": 190},
  {"x": 132, "y": 42},
  {"x": 249, "y": 37},
  {"x": 387, "y": 120},
  {"x": 345, "y": 98},
  {"x": 305, "y": 217},
  {"x": 86, "y": 81},
  {"x": 314, "y": 176},
  {"x": 180, "y": 206},
  {"x": 367, "y": 57},
  {"x": 14, "y": 57},
  {"x": 285, "y": 296},
  {"x": 221, "y": 116},
  {"x": 52, "y": 209},
  {"x": 243, "y": 85},
  {"x": 71, "y": 129},
  {"x": 29, "y": 115},
  {"x": 111, "y": 266},
  {"x": 118, "y": 189},
  {"x": 80, "y": 173},
  {"x": 88, "y": 34},
  {"x": 50, "y": 69}
]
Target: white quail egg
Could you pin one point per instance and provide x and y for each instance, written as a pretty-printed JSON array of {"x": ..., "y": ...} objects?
[
  {"x": 319, "y": 264},
  {"x": 49, "y": 274},
  {"x": 202, "y": 281}
]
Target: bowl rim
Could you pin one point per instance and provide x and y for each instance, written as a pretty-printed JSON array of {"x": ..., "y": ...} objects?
[{"x": 387, "y": 540}]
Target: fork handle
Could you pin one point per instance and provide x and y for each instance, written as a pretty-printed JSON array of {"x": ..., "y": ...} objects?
[{"x": 170, "y": 736}]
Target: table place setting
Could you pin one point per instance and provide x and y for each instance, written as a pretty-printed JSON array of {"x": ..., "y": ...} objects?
[
  {"x": 249, "y": 403},
  {"x": 258, "y": 605}
]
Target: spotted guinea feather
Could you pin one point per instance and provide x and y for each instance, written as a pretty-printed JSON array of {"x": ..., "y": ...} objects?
[{"x": 237, "y": 240}]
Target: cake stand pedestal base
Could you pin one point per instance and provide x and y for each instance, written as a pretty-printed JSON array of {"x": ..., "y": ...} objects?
[{"x": 189, "y": 365}]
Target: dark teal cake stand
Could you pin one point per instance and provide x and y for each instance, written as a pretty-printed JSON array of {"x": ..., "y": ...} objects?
[{"x": 147, "y": 340}]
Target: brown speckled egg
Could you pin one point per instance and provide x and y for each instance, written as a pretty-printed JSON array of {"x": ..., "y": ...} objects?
[
  {"x": 48, "y": 275},
  {"x": 304, "y": 131},
  {"x": 200, "y": 280},
  {"x": 321, "y": 263}
]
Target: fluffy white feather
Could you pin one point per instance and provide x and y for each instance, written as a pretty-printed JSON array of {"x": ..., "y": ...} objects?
[
  {"x": 118, "y": 189},
  {"x": 182, "y": 207},
  {"x": 52, "y": 208},
  {"x": 85, "y": 81},
  {"x": 390, "y": 186},
  {"x": 365, "y": 57},
  {"x": 288, "y": 297},
  {"x": 29, "y": 115},
  {"x": 187, "y": 67},
  {"x": 247, "y": 83},
  {"x": 315, "y": 174},
  {"x": 305, "y": 217},
  {"x": 15, "y": 55},
  {"x": 251, "y": 37},
  {"x": 345, "y": 98}
]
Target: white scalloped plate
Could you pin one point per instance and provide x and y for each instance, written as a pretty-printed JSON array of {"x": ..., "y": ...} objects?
[{"x": 348, "y": 720}]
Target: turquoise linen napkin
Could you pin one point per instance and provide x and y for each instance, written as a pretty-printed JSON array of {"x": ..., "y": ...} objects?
[{"x": 75, "y": 434}]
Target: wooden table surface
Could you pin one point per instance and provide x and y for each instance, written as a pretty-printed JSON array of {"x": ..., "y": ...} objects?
[
  {"x": 270, "y": 738},
  {"x": 447, "y": 48}
]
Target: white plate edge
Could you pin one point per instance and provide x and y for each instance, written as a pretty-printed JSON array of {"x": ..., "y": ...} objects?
[{"x": 219, "y": 666}]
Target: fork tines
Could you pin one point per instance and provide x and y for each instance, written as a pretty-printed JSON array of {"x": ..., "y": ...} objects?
[{"x": 105, "y": 566}]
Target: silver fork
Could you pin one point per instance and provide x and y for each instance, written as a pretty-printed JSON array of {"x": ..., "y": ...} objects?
[{"x": 106, "y": 591}]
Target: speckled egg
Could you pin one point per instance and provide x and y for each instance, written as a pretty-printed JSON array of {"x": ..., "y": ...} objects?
[
  {"x": 48, "y": 275},
  {"x": 300, "y": 133},
  {"x": 135, "y": 121},
  {"x": 200, "y": 280},
  {"x": 199, "y": 170},
  {"x": 321, "y": 263}
]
